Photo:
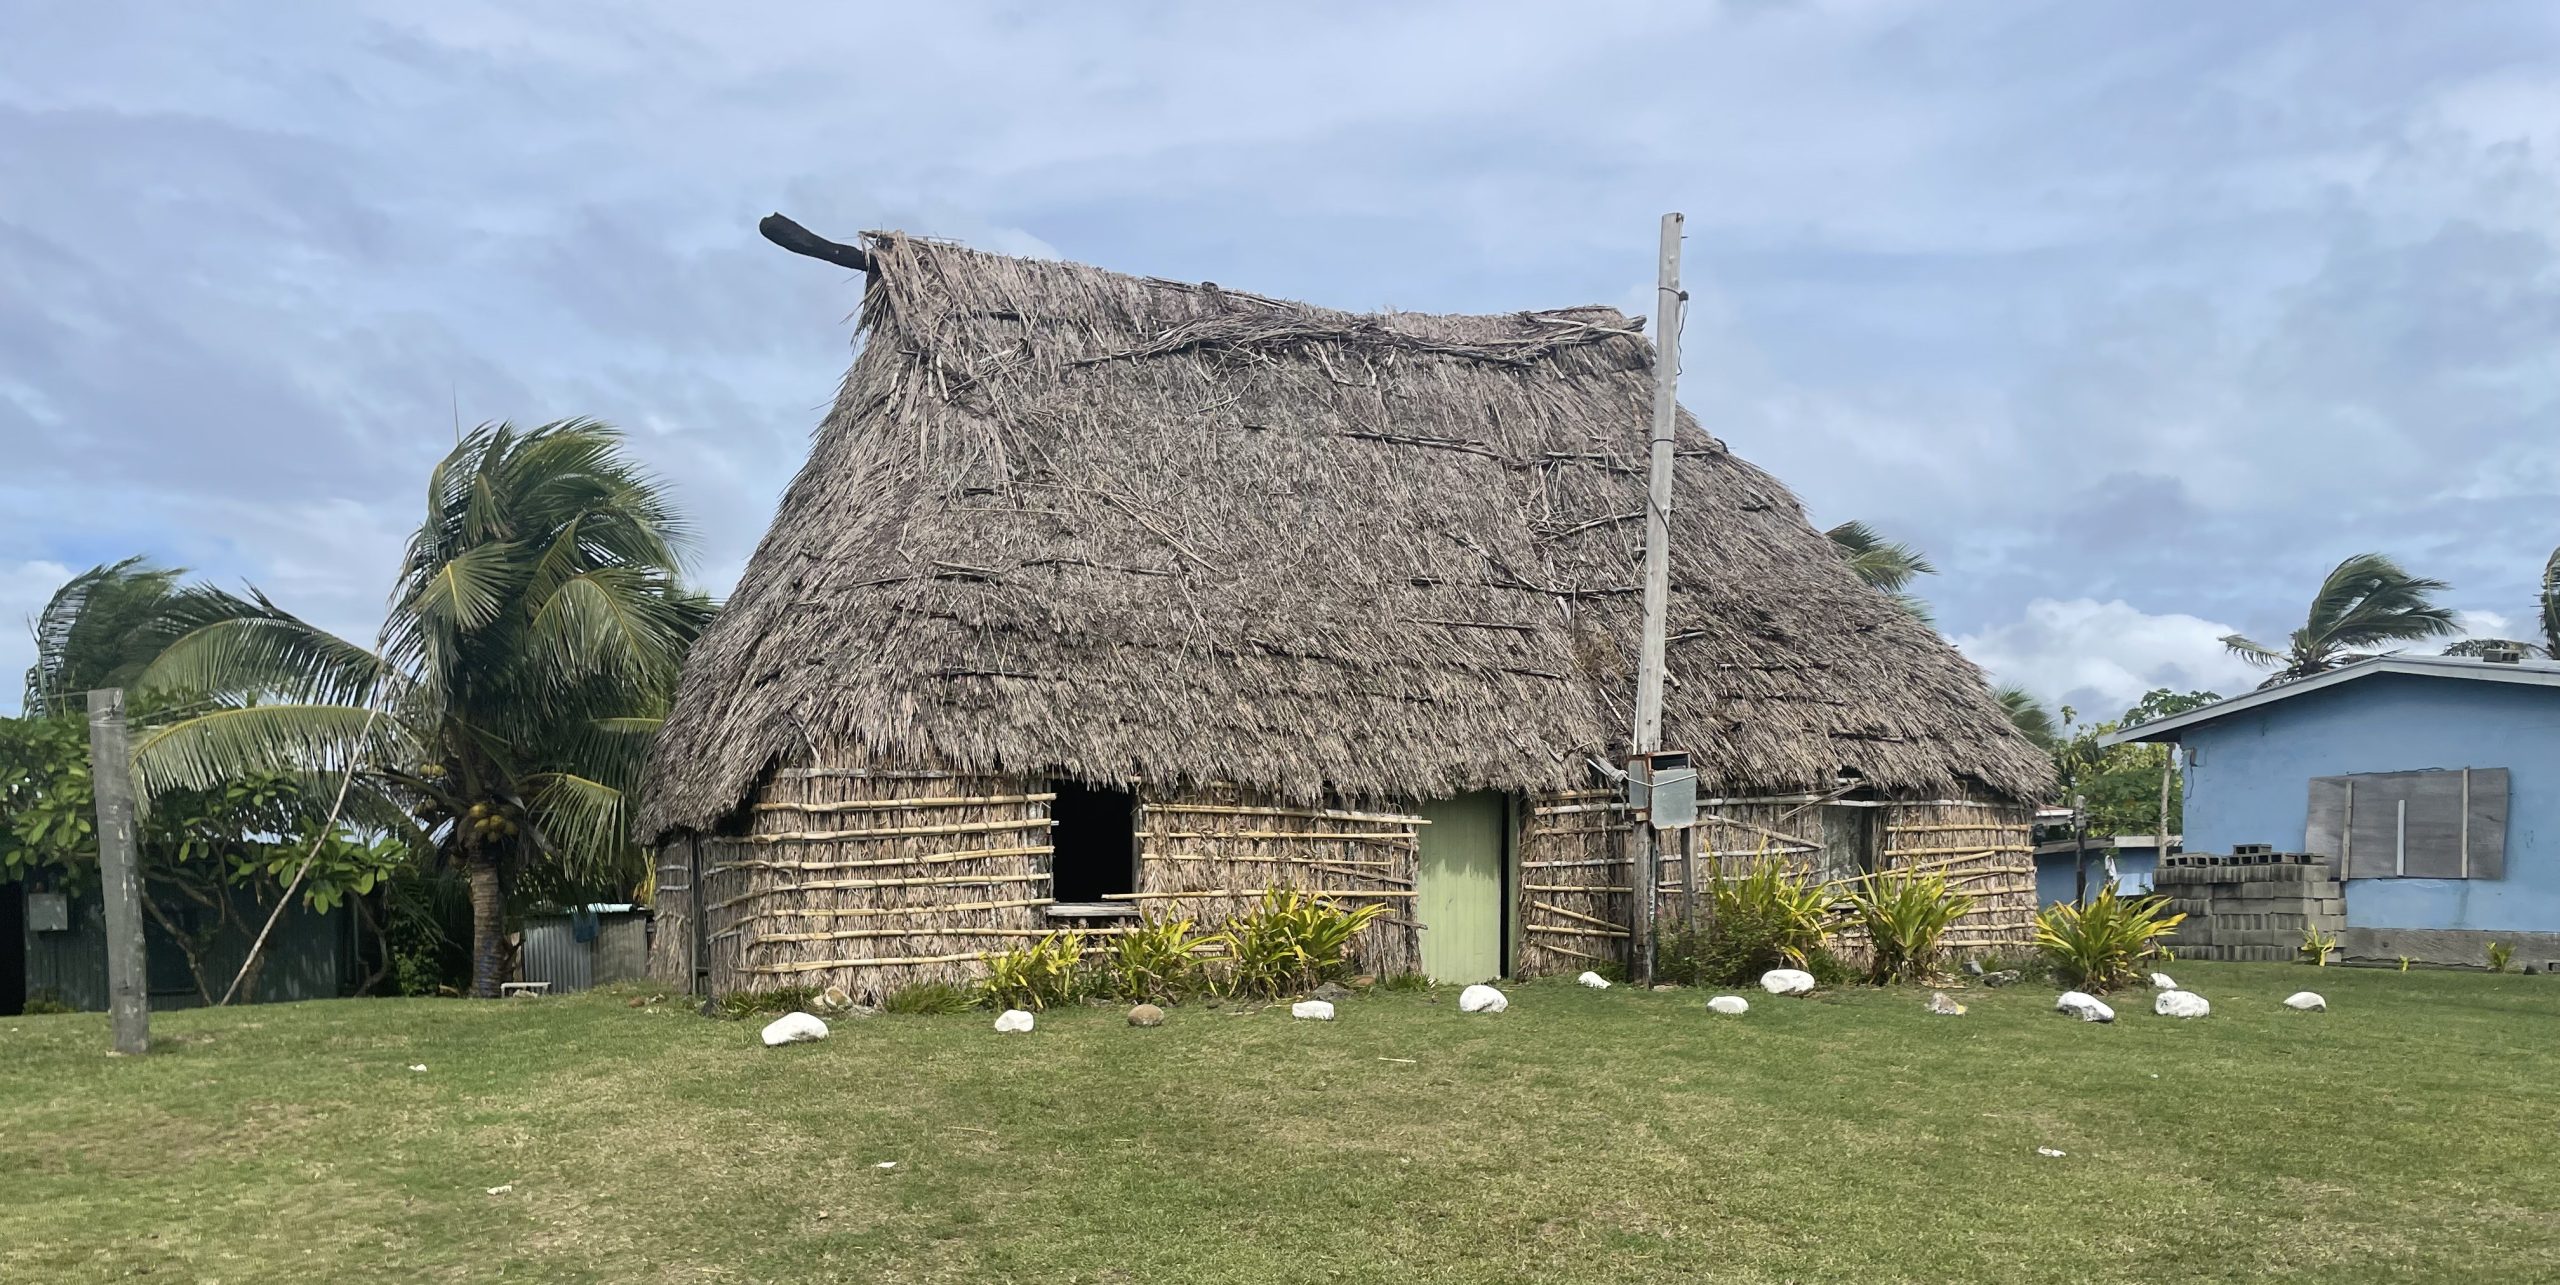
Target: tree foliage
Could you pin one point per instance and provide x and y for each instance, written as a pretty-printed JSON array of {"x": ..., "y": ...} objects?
[
  {"x": 2119, "y": 785},
  {"x": 2365, "y": 604},
  {"x": 100, "y": 629},
  {"x": 531, "y": 648},
  {"x": 1888, "y": 566}
]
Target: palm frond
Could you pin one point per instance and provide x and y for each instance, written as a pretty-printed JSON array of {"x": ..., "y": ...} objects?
[
  {"x": 1884, "y": 564},
  {"x": 2256, "y": 653},
  {"x": 204, "y": 750},
  {"x": 2028, "y": 715},
  {"x": 244, "y": 648},
  {"x": 584, "y": 824}
]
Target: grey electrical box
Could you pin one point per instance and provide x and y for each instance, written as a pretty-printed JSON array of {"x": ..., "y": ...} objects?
[
  {"x": 48, "y": 912},
  {"x": 1665, "y": 787}
]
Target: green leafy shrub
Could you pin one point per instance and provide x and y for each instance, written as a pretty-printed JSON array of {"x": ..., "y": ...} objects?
[
  {"x": 46, "y": 1004},
  {"x": 1404, "y": 983},
  {"x": 2102, "y": 945},
  {"x": 1156, "y": 962},
  {"x": 929, "y": 999},
  {"x": 1048, "y": 971},
  {"x": 1769, "y": 917},
  {"x": 1289, "y": 944},
  {"x": 2501, "y": 954},
  {"x": 737, "y": 1006},
  {"x": 2317, "y": 946},
  {"x": 1905, "y": 916}
]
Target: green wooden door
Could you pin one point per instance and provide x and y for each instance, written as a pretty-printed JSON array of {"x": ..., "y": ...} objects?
[{"x": 1461, "y": 886}]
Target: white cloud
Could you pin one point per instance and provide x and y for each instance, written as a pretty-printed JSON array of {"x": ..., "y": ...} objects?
[{"x": 2100, "y": 657}]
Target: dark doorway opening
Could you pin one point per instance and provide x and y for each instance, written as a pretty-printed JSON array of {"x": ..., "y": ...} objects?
[
  {"x": 13, "y": 948},
  {"x": 1095, "y": 843}
]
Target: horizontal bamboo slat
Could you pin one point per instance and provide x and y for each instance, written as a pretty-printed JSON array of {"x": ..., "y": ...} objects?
[
  {"x": 1355, "y": 893},
  {"x": 890, "y": 805},
  {"x": 899, "y": 831},
  {"x": 1321, "y": 836},
  {"x": 927, "y": 859},
  {"x": 1564, "y": 931},
  {"x": 1329, "y": 814}
]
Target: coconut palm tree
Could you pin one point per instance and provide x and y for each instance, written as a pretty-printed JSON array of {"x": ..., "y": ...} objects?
[
  {"x": 2365, "y": 603},
  {"x": 531, "y": 647},
  {"x": 2551, "y": 606},
  {"x": 1887, "y": 565},
  {"x": 2029, "y": 716},
  {"x": 100, "y": 629}
]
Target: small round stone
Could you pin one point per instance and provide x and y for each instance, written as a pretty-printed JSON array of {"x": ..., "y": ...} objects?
[{"x": 1146, "y": 1015}]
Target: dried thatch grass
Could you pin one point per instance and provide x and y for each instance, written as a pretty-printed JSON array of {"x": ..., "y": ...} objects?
[{"x": 1067, "y": 520}]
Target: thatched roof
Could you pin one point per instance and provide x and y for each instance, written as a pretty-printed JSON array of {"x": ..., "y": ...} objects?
[{"x": 1123, "y": 528}]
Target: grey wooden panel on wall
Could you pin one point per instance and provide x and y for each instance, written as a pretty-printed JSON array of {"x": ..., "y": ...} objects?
[{"x": 2437, "y": 824}]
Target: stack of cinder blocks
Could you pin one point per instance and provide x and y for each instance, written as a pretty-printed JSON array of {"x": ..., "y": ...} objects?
[{"x": 2252, "y": 904}]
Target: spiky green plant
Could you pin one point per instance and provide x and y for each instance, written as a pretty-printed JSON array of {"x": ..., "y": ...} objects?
[
  {"x": 2501, "y": 954},
  {"x": 2365, "y": 604},
  {"x": 1289, "y": 943},
  {"x": 2103, "y": 945},
  {"x": 1905, "y": 916},
  {"x": 1156, "y": 962},
  {"x": 2317, "y": 946},
  {"x": 1048, "y": 971}
]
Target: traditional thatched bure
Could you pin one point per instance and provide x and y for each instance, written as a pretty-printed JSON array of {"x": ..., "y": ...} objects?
[{"x": 1102, "y": 592}]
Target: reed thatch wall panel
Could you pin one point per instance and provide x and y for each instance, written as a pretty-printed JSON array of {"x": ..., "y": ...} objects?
[
  {"x": 1574, "y": 894},
  {"x": 1987, "y": 851},
  {"x": 673, "y": 915},
  {"x": 1209, "y": 855},
  {"x": 875, "y": 880}
]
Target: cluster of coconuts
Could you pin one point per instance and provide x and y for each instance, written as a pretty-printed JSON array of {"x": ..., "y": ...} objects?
[{"x": 490, "y": 822}]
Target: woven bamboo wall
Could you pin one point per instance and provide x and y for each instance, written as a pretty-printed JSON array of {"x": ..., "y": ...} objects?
[
  {"x": 671, "y": 907},
  {"x": 1209, "y": 855},
  {"x": 1573, "y": 887},
  {"x": 1576, "y": 876},
  {"x": 1986, "y": 850},
  {"x": 875, "y": 880}
]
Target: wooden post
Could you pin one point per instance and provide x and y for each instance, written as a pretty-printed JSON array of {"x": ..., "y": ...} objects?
[
  {"x": 1657, "y": 509},
  {"x": 119, "y": 873},
  {"x": 1644, "y": 840},
  {"x": 2168, "y": 764},
  {"x": 2080, "y": 850}
]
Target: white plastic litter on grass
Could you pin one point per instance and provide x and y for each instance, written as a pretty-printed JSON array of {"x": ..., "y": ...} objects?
[
  {"x": 2047, "y": 1151},
  {"x": 417, "y": 1066}
]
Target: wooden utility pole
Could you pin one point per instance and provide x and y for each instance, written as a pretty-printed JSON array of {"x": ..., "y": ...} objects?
[
  {"x": 1657, "y": 509},
  {"x": 1644, "y": 840},
  {"x": 119, "y": 872}
]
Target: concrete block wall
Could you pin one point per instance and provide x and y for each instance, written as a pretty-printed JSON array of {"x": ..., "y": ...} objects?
[{"x": 2251, "y": 905}]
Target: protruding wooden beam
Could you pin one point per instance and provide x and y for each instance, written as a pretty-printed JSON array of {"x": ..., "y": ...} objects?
[{"x": 799, "y": 240}]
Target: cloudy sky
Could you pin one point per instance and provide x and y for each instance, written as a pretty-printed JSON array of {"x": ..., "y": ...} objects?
[{"x": 2135, "y": 316}]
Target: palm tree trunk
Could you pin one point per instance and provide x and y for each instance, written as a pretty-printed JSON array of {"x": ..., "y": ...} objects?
[{"x": 488, "y": 924}]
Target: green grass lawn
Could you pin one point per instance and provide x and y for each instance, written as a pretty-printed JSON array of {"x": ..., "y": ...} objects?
[{"x": 2411, "y": 1133}]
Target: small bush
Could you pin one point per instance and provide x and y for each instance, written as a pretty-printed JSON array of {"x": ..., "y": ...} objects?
[
  {"x": 1770, "y": 917},
  {"x": 737, "y": 1006},
  {"x": 1289, "y": 944},
  {"x": 2102, "y": 945},
  {"x": 44, "y": 1003},
  {"x": 1905, "y": 916},
  {"x": 1404, "y": 983},
  {"x": 2501, "y": 954},
  {"x": 1156, "y": 962},
  {"x": 929, "y": 999},
  {"x": 1048, "y": 971},
  {"x": 2317, "y": 946}
]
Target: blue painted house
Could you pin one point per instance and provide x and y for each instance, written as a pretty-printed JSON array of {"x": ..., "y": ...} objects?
[
  {"x": 2433, "y": 780},
  {"x": 2129, "y": 859}
]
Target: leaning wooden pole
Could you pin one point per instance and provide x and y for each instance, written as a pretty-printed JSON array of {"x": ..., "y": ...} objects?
[
  {"x": 1645, "y": 841},
  {"x": 119, "y": 872}
]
